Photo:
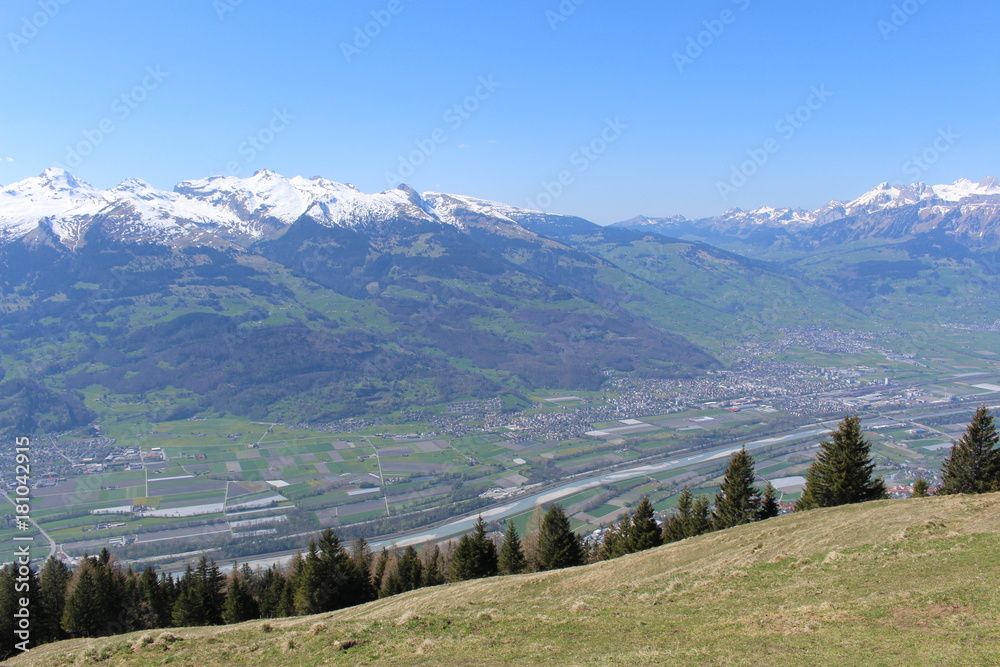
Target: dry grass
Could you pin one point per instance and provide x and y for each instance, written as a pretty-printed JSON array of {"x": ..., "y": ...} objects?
[{"x": 891, "y": 582}]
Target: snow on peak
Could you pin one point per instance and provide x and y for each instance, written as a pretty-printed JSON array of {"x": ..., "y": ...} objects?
[
  {"x": 265, "y": 194},
  {"x": 964, "y": 188},
  {"x": 54, "y": 197}
]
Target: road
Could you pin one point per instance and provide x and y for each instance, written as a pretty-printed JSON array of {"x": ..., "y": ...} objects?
[{"x": 52, "y": 543}]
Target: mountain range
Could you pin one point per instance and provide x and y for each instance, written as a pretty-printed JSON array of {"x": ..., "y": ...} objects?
[
  {"x": 964, "y": 211},
  {"x": 303, "y": 299},
  {"x": 227, "y": 211}
]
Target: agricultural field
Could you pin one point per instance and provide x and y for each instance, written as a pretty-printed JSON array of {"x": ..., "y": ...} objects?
[{"x": 248, "y": 487}]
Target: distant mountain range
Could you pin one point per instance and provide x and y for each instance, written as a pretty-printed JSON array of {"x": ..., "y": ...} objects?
[
  {"x": 964, "y": 211},
  {"x": 303, "y": 299},
  {"x": 227, "y": 211},
  {"x": 224, "y": 211},
  {"x": 307, "y": 300}
]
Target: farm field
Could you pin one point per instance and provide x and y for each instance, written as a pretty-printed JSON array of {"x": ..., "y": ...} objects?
[{"x": 237, "y": 487}]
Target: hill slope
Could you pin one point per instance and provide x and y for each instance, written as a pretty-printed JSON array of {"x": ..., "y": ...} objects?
[{"x": 890, "y": 582}]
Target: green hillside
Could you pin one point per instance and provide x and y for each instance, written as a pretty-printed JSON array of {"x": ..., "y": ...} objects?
[{"x": 885, "y": 583}]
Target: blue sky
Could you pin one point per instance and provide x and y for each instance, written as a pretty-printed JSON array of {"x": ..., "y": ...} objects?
[{"x": 588, "y": 107}]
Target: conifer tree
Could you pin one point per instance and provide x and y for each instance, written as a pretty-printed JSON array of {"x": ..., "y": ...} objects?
[
  {"x": 920, "y": 488},
  {"x": 738, "y": 501},
  {"x": 475, "y": 557},
  {"x": 974, "y": 463},
  {"x": 272, "y": 593},
  {"x": 511, "y": 559},
  {"x": 615, "y": 542},
  {"x": 679, "y": 526},
  {"x": 53, "y": 582},
  {"x": 338, "y": 582},
  {"x": 558, "y": 545},
  {"x": 410, "y": 570},
  {"x": 361, "y": 563},
  {"x": 644, "y": 532},
  {"x": 391, "y": 585},
  {"x": 81, "y": 615},
  {"x": 239, "y": 605},
  {"x": 309, "y": 583},
  {"x": 768, "y": 503},
  {"x": 701, "y": 517},
  {"x": 201, "y": 595},
  {"x": 381, "y": 564},
  {"x": 843, "y": 471},
  {"x": 9, "y": 605},
  {"x": 17, "y": 587},
  {"x": 153, "y": 600},
  {"x": 432, "y": 567}
]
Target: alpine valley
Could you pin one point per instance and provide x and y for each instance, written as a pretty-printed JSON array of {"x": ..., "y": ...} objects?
[{"x": 305, "y": 300}]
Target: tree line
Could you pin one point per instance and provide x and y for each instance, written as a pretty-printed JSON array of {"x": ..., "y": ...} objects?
[
  {"x": 842, "y": 473},
  {"x": 102, "y": 597}
]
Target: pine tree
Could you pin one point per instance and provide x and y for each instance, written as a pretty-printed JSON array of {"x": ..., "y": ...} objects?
[
  {"x": 309, "y": 583},
  {"x": 338, "y": 583},
  {"x": 201, "y": 595},
  {"x": 153, "y": 599},
  {"x": 644, "y": 532},
  {"x": 558, "y": 545},
  {"x": 615, "y": 542},
  {"x": 432, "y": 567},
  {"x": 511, "y": 559},
  {"x": 738, "y": 501},
  {"x": 391, "y": 586},
  {"x": 701, "y": 518},
  {"x": 8, "y": 607},
  {"x": 361, "y": 578},
  {"x": 239, "y": 605},
  {"x": 17, "y": 587},
  {"x": 842, "y": 471},
  {"x": 381, "y": 564},
  {"x": 272, "y": 593},
  {"x": 54, "y": 580},
  {"x": 920, "y": 488},
  {"x": 475, "y": 557},
  {"x": 974, "y": 463},
  {"x": 678, "y": 526},
  {"x": 768, "y": 503},
  {"x": 80, "y": 615},
  {"x": 410, "y": 570}
]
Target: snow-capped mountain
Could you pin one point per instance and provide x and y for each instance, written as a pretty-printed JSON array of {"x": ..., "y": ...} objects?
[
  {"x": 967, "y": 211},
  {"x": 223, "y": 210},
  {"x": 53, "y": 201}
]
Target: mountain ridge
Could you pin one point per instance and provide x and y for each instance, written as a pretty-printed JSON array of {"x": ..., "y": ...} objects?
[{"x": 966, "y": 211}]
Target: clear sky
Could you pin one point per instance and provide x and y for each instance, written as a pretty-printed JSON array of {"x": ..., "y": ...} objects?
[{"x": 667, "y": 97}]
